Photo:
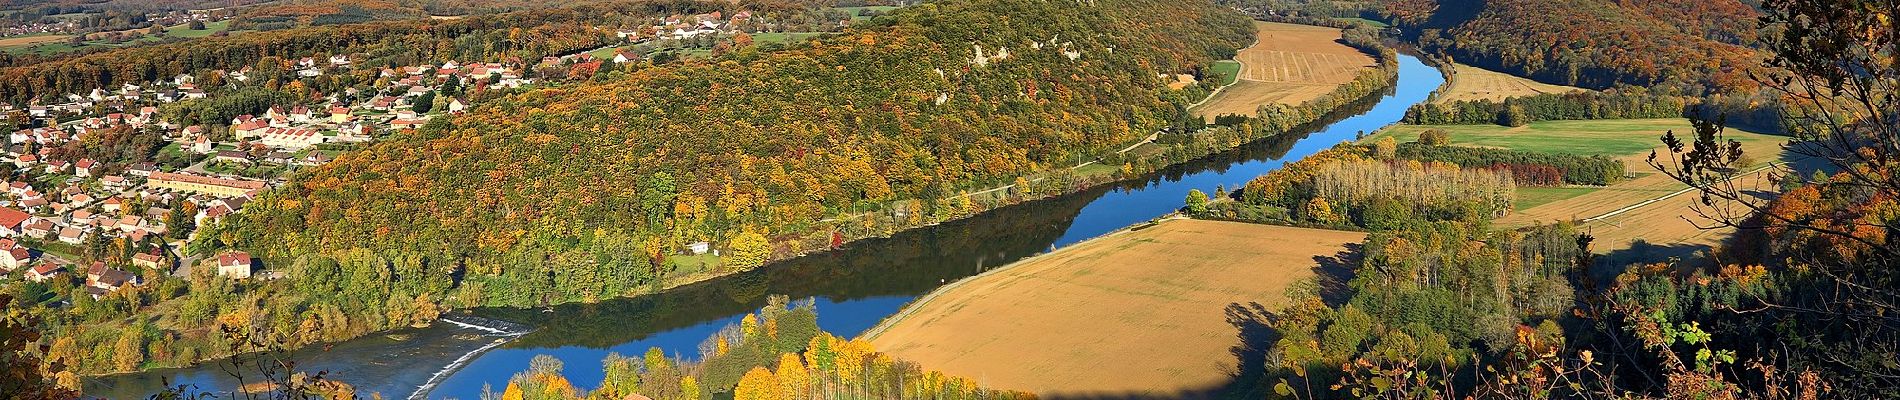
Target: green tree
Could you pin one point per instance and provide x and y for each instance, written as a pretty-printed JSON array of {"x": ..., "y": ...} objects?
[
  {"x": 689, "y": 388},
  {"x": 1196, "y": 202},
  {"x": 657, "y": 192},
  {"x": 1513, "y": 115},
  {"x": 425, "y": 102}
]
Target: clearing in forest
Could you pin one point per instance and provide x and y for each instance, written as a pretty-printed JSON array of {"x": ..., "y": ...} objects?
[
  {"x": 1154, "y": 311},
  {"x": 26, "y": 41},
  {"x": 1290, "y": 64},
  {"x": 1473, "y": 83},
  {"x": 1658, "y": 223}
]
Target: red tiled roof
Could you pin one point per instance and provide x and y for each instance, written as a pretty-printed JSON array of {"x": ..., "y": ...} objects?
[
  {"x": 234, "y": 258},
  {"x": 11, "y": 218},
  {"x": 45, "y": 269}
]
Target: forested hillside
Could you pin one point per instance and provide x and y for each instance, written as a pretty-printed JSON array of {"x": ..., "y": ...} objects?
[
  {"x": 593, "y": 186},
  {"x": 524, "y": 35},
  {"x": 1591, "y": 43}
]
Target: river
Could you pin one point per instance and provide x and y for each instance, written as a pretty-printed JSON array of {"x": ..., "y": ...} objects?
[{"x": 854, "y": 287}]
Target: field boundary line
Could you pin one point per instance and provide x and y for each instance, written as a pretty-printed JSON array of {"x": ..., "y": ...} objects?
[
  {"x": 1633, "y": 207},
  {"x": 1237, "y": 73},
  {"x": 914, "y": 305}
]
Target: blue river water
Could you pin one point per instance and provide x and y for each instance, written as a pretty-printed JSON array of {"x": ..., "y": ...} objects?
[{"x": 853, "y": 288}]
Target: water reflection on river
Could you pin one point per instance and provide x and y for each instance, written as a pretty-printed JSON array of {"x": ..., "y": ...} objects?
[{"x": 854, "y": 287}]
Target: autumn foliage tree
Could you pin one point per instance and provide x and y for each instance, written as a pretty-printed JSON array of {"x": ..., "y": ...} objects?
[{"x": 550, "y": 183}]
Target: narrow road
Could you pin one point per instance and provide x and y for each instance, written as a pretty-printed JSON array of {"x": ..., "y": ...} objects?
[
  {"x": 1243, "y": 67},
  {"x": 1633, "y": 207}
]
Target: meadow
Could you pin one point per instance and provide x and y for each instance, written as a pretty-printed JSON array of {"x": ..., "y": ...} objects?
[
  {"x": 1290, "y": 64},
  {"x": 1138, "y": 312},
  {"x": 55, "y": 44},
  {"x": 1473, "y": 83},
  {"x": 1628, "y": 140}
]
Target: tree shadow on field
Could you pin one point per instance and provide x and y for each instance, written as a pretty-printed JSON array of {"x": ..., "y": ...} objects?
[
  {"x": 1639, "y": 251},
  {"x": 1253, "y": 323},
  {"x": 1253, "y": 326},
  {"x": 1334, "y": 273}
]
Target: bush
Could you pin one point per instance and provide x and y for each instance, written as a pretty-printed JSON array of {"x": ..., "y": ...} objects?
[
  {"x": 1384, "y": 214},
  {"x": 1513, "y": 115},
  {"x": 1434, "y": 137},
  {"x": 1387, "y": 148}
]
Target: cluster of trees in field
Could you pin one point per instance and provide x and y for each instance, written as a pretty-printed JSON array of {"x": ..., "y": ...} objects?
[
  {"x": 1430, "y": 188},
  {"x": 1433, "y": 296},
  {"x": 1569, "y": 169},
  {"x": 776, "y": 354},
  {"x": 1385, "y": 185},
  {"x": 1350, "y": 187},
  {"x": 1630, "y": 103},
  {"x": 750, "y": 152}
]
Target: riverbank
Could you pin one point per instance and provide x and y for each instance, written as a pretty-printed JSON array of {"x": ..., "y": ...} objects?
[
  {"x": 1138, "y": 311},
  {"x": 1287, "y": 64},
  {"x": 870, "y": 279},
  {"x": 1143, "y": 157}
]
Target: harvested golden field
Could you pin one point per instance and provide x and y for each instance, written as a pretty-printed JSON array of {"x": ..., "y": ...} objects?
[
  {"x": 1628, "y": 140},
  {"x": 1181, "y": 81},
  {"x": 21, "y": 41},
  {"x": 1473, "y": 83},
  {"x": 1144, "y": 312},
  {"x": 1289, "y": 64},
  {"x": 1662, "y": 223}
]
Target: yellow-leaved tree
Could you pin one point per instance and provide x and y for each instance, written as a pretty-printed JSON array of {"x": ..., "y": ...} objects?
[
  {"x": 793, "y": 378},
  {"x": 749, "y": 250},
  {"x": 758, "y": 384}
]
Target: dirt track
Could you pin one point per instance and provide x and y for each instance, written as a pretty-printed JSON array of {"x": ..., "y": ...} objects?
[{"x": 1289, "y": 65}]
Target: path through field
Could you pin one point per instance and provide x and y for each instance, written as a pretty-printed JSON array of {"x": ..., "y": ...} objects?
[{"x": 1289, "y": 64}]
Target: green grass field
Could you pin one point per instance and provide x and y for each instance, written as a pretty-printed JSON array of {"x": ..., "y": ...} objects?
[
  {"x": 695, "y": 263},
  {"x": 63, "y": 46},
  {"x": 1229, "y": 71},
  {"x": 604, "y": 53},
  {"x": 210, "y": 28},
  {"x": 783, "y": 37},
  {"x": 1528, "y": 197},
  {"x": 1375, "y": 24},
  {"x": 1596, "y": 137},
  {"x": 1614, "y": 138}
]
